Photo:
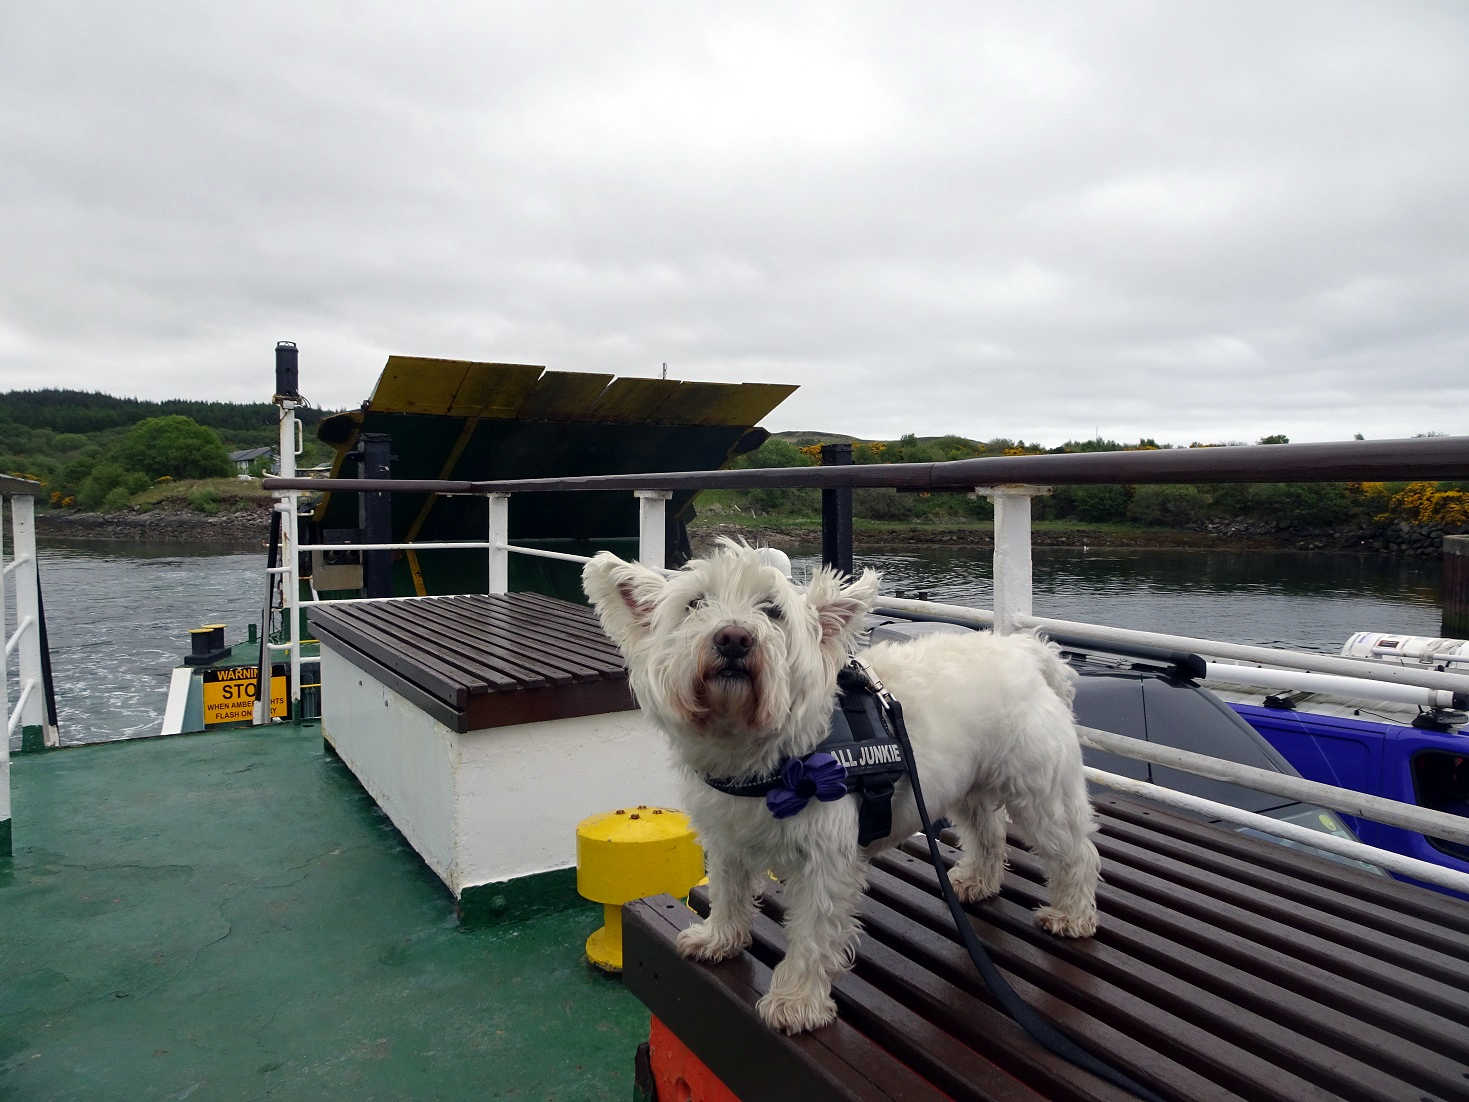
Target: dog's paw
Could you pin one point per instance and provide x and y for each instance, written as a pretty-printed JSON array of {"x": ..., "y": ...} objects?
[
  {"x": 1066, "y": 925},
  {"x": 974, "y": 889},
  {"x": 703, "y": 941},
  {"x": 790, "y": 1012}
]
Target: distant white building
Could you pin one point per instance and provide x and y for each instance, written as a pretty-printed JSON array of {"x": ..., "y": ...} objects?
[{"x": 243, "y": 459}]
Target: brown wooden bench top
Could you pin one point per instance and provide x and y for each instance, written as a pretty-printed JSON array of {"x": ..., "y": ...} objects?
[
  {"x": 483, "y": 660},
  {"x": 1226, "y": 967}
]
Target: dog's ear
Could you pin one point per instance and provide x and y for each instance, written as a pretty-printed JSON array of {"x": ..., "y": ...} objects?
[
  {"x": 624, "y": 594},
  {"x": 841, "y": 608}
]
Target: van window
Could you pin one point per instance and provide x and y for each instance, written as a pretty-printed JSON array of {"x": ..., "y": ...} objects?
[{"x": 1441, "y": 783}]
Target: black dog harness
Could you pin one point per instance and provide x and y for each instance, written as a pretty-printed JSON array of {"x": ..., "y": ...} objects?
[{"x": 859, "y": 757}]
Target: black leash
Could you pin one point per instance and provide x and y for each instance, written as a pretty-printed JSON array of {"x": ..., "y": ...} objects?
[
  {"x": 860, "y": 758},
  {"x": 1026, "y": 1016}
]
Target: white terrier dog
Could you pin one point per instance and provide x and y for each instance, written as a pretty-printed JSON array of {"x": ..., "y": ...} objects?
[{"x": 739, "y": 668}]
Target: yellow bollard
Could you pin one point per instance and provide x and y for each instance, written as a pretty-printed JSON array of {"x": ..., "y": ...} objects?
[{"x": 629, "y": 853}]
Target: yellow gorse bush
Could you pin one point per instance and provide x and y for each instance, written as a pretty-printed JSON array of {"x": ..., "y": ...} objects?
[{"x": 1425, "y": 503}]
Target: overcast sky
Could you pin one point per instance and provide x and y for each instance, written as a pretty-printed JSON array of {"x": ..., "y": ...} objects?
[{"x": 1188, "y": 221}]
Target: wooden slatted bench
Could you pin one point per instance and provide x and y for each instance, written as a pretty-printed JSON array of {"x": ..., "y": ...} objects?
[
  {"x": 482, "y": 661},
  {"x": 486, "y": 727},
  {"x": 1226, "y": 967}
]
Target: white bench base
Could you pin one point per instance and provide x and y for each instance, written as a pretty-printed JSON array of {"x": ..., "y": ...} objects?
[{"x": 485, "y": 807}]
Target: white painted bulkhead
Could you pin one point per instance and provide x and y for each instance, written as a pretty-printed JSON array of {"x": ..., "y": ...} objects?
[{"x": 488, "y": 806}]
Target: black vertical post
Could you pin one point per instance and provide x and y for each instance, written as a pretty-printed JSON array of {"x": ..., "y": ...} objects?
[
  {"x": 1455, "y": 587},
  {"x": 272, "y": 560},
  {"x": 375, "y": 514},
  {"x": 836, "y": 514},
  {"x": 287, "y": 371},
  {"x": 47, "y": 681}
]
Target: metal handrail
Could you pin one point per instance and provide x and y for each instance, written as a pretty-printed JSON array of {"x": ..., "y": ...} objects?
[
  {"x": 1242, "y": 652},
  {"x": 1412, "y": 867},
  {"x": 477, "y": 545},
  {"x": 1422, "y": 820},
  {"x": 27, "y": 688},
  {"x": 15, "y": 636},
  {"x": 541, "y": 553},
  {"x": 1016, "y": 477},
  {"x": 27, "y": 640},
  {"x": 1340, "y": 461}
]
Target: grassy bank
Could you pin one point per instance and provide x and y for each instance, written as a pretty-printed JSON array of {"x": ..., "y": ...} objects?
[{"x": 208, "y": 496}]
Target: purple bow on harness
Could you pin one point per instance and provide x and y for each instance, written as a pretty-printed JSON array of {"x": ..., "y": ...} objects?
[{"x": 819, "y": 775}]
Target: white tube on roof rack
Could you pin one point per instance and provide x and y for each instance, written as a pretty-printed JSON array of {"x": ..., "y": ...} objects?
[{"x": 1228, "y": 673}]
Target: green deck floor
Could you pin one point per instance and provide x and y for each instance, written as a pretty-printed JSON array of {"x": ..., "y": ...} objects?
[{"x": 229, "y": 916}]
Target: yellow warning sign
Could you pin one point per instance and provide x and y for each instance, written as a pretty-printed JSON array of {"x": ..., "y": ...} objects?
[{"x": 229, "y": 694}]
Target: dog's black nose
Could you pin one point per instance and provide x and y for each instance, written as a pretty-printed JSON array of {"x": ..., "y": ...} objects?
[{"x": 733, "y": 642}]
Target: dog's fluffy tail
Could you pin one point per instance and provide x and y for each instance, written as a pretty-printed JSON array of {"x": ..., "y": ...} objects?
[{"x": 1057, "y": 674}]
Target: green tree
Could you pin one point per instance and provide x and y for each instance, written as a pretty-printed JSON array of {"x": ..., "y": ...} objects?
[
  {"x": 779, "y": 453},
  {"x": 1098, "y": 504},
  {"x": 176, "y": 446},
  {"x": 1320, "y": 503},
  {"x": 1278, "y": 438},
  {"x": 1096, "y": 444},
  {"x": 775, "y": 452},
  {"x": 109, "y": 485},
  {"x": 1169, "y": 506}
]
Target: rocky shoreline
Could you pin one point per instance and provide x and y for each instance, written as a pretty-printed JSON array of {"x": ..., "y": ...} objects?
[
  {"x": 244, "y": 529},
  {"x": 1395, "y": 540},
  {"x": 248, "y": 529}
]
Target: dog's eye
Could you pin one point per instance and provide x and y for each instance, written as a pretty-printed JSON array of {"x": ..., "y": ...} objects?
[
  {"x": 772, "y": 610},
  {"x": 696, "y": 604}
]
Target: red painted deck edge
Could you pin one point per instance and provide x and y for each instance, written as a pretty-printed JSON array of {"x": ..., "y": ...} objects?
[{"x": 679, "y": 1075}]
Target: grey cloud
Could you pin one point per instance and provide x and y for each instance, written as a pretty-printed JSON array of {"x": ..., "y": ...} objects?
[{"x": 1185, "y": 221}]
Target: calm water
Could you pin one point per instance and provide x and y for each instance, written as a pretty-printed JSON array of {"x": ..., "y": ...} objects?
[
  {"x": 119, "y": 615},
  {"x": 1309, "y": 601}
]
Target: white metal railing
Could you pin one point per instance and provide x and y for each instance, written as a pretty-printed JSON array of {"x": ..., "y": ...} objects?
[
  {"x": 30, "y": 705},
  {"x": 352, "y": 600},
  {"x": 19, "y": 634},
  {"x": 1243, "y": 664},
  {"x": 542, "y": 553},
  {"x": 290, "y": 444},
  {"x": 469, "y": 545},
  {"x": 1246, "y": 665},
  {"x": 651, "y": 522},
  {"x": 1411, "y": 867},
  {"x": 1355, "y": 668},
  {"x": 1439, "y": 824},
  {"x": 28, "y": 690}
]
